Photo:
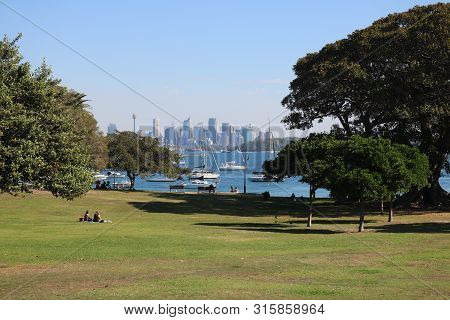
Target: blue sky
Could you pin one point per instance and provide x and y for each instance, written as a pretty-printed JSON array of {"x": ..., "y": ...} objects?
[{"x": 229, "y": 59}]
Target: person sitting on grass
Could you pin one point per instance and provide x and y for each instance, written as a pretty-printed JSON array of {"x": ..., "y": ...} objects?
[
  {"x": 97, "y": 217},
  {"x": 86, "y": 216}
]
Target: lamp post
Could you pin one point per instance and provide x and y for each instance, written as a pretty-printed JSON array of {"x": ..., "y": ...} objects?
[
  {"x": 246, "y": 157},
  {"x": 137, "y": 148}
]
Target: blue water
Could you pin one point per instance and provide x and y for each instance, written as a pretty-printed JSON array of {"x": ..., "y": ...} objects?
[{"x": 236, "y": 178}]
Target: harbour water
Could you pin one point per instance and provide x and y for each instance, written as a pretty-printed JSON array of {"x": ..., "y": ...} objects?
[{"x": 227, "y": 179}]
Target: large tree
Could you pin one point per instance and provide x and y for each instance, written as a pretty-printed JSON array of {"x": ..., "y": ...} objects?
[
  {"x": 138, "y": 155},
  {"x": 86, "y": 127},
  {"x": 353, "y": 169},
  {"x": 308, "y": 159},
  {"x": 389, "y": 80},
  {"x": 39, "y": 144}
]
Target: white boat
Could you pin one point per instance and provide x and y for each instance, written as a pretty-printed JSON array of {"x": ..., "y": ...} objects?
[
  {"x": 161, "y": 179},
  {"x": 262, "y": 176},
  {"x": 199, "y": 183},
  {"x": 115, "y": 174},
  {"x": 121, "y": 185},
  {"x": 231, "y": 166},
  {"x": 100, "y": 177},
  {"x": 203, "y": 174}
]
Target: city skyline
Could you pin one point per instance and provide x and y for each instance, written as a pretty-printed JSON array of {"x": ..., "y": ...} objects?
[{"x": 233, "y": 60}]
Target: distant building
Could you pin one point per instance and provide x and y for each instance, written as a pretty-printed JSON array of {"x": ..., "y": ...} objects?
[
  {"x": 212, "y": 130},
  {"x": 156, "y": 128},
  {"x": 226, "y": 132},
  {"x": 112, "y": 128},
  {"x": 170, "y": 137},
  {"x": 186, "y": 132},
  {"x": 248, "y": 133},
  {"x": 199, "y": 133},
  {"x": 145, "y": 131}
]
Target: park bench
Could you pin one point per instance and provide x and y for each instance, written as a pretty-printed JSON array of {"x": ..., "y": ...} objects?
[
  {"x": 176, "y": 188},
  {"x": 210, "y": 189}
]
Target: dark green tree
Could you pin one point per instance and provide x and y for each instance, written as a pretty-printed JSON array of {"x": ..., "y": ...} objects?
[
  {"x": 353, "y": 169},
  {"x": 387, "y": 80},
  {"x": 39, "y": 146},
  {"x": 138, "y": 155},
  {"x": 86, "y": 127},
  {"x": 307, "y": 159},
  {"x": 406, "y": 169}
]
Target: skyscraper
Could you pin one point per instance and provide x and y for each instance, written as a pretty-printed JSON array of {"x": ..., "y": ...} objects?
[
  {"x": 170, "y": 136},
  {"x": 112, "y": 128},
  {"x": 248, "y": 133},
  {"x": 186, "y": 133},
  {"x": 226, "y": 132},
  {"x": 212, "y": 129},
  {"x": 156, "y": 128},
  {"x": 199, "y": 133}
]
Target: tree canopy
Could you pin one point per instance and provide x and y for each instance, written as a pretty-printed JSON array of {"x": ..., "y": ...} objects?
[
  {"x": 354, "y": 169},
  {"x": 40, "y": 146},
  {"x": 139, "y": 155},
  {"x": 389, "y": 80}
]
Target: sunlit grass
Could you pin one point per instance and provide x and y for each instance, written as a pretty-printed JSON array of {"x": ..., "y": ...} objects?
[{"x": 168, "y": 246}]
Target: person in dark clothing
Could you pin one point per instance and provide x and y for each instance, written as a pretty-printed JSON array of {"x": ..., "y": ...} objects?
[
  {"x": 97, "y": 217},
  {"x": 86, "y": 216}
]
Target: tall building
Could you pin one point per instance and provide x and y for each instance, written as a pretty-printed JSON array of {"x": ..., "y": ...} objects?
[
  {"x": 186, "y": 132},
  {"x": 248, "y": 133},
  {"x": 226, "y": 132},
  {"x": 199, "y": 134},
  {"x": 156, "y": 128},
  {"x": 112, "y": 128},
  {"x": 212, "y": 129},
  {"x": 170, "y": 137},
  {"x": 145, "y": 131}
]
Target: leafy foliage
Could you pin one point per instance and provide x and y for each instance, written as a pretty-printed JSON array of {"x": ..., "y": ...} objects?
[
  {"x": 39, "y": 144},
  {"x": 354, "y": 169},
  {"x": 388, "y": 80},
  {"x": 141, "y": 155}
]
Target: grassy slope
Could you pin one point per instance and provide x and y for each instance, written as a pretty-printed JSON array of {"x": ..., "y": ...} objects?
[{"x": 164, "y": 246}]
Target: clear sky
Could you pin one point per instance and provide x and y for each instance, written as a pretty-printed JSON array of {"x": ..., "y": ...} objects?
[{"x": 228, "y": 59}]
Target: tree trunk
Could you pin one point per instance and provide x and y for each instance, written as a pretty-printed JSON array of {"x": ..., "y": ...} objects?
[
  {"x": 434, "y": 194},
  {"x": 312, "y": 195},
  {"x": 361, "y": 217},
  {"x": 391, "y": 210},
  {"x": 132, "y": 178},
  {"x": 382, "y": 206}
]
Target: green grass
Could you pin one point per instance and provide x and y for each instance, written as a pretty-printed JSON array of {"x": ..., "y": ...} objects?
[{"x": 180, "y": 246}]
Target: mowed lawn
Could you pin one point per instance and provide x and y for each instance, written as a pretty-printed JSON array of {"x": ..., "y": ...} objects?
[{"x": 189, "y": 246}]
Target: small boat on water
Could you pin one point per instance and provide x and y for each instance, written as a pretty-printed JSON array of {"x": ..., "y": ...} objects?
[
  {"x": 198, "y": 183},
  {"x": 161, "y": 178},
  {"x": 121, "y": 185},
  {"x": 115, "y": 174},
  {"x": 203, "y": 174},
  {"x": 262, "y": 176},
  {"x": 231, "y": 166},
  {"x": 100, "y": 177}
]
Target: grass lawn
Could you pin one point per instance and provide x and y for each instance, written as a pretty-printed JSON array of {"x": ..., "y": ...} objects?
[{"x": 180, "y": 246}]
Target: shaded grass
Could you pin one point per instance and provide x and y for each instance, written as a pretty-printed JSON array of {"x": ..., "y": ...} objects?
[{"x": 183, "y": 246}]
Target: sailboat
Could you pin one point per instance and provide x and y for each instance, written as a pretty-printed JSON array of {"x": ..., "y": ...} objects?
[
  {"x": 262, "y": 175},
  {"x": 201, "y": 173}
]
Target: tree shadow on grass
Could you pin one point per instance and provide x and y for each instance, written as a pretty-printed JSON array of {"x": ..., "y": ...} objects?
[
  {"x": 425, "y": 227},
  {"x": 328, "y": 221},
  {"x": 267, "y": 227},
  {"x": 238, "y": 205}
]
